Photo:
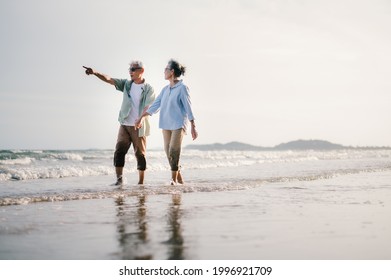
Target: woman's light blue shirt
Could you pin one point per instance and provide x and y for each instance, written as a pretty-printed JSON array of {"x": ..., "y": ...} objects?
[{"x": 175, "y": 107}]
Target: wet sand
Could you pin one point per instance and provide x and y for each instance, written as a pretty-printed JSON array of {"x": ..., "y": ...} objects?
[{"x": 346, "y": 217}]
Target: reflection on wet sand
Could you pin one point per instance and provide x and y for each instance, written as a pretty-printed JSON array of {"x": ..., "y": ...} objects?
[
  {"x": 175, "y": 242},
  {"x": 132, "y": 229},
  {"x": 132, "y": 226}
]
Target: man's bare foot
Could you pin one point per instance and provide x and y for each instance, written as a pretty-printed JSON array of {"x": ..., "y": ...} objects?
[{"x": 119, "y": 182}]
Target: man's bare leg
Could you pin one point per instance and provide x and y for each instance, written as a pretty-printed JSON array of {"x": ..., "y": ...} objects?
[
  {"x": 141, "y": 177},
  {"x": 118, "y": 171}
]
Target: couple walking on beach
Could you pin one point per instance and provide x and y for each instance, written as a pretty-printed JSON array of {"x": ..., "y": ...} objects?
[{"x": 138, "y": 104}]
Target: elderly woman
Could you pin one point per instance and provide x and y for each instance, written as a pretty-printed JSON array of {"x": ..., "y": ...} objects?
[{"x": 175, "y": 113}]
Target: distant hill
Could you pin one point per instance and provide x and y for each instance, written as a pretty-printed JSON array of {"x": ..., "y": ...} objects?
[
  {"x": 229, "y": 146},
  {"x": 292, "y": 145},
  {"x": 309, "y": 145}
]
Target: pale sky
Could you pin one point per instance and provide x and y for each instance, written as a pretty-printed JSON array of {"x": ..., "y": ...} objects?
[{"x": 260, "y": 72}]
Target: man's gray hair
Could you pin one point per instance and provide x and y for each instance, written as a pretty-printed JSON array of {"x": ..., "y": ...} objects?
[{"x": 139, "y": 63}]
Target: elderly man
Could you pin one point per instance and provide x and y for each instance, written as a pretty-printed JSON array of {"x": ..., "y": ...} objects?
[{"x": 137, "y": 97}]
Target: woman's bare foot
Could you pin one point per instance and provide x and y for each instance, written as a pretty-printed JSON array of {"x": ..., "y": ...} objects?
[{"x": 180, "y": 179}]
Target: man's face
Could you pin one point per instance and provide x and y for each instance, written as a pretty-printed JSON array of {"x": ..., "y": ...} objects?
[{"x": 135, "y": 72}]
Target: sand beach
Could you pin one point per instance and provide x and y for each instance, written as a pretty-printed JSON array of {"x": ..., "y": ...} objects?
[{"x": 276, "y": 210}]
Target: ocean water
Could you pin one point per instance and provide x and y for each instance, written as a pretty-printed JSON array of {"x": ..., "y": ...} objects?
[
  {"x": 234, "y": 205},
  {"x": 28, "y": 176}
]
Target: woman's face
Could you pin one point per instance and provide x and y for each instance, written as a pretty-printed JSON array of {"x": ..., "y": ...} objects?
[{"x": 168, "y": 73}]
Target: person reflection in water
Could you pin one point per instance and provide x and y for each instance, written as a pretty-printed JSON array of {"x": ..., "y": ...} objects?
[
  {"x": 175, "y": 242},
  {"x": 133, "y": 236},
  {"x": 132, "y": 229}
]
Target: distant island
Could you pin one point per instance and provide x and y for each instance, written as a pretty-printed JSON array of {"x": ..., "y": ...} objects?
[{"x": 292, "y": 145}]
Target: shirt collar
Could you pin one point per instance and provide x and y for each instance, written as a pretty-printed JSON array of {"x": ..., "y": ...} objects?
[{"x": 177, "y": 84}]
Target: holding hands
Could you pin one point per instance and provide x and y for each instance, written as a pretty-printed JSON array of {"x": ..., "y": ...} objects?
[{"x": 138, "y": 124}]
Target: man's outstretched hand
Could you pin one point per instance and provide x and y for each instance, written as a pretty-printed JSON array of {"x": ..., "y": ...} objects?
[{"x": 89, "y": 71}]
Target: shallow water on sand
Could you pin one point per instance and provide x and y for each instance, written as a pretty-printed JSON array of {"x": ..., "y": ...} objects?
[{"x": 337, "y": 217}]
